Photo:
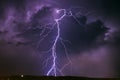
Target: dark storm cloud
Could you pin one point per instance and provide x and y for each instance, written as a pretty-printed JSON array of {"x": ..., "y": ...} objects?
[
  {"x": 20, "y": 27},
  {"x": 18, "y": 60},
  {"x": 95, "y": 62}
]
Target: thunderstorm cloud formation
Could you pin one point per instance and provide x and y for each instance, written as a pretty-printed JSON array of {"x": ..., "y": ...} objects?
[{"x": 88, "y": 44}]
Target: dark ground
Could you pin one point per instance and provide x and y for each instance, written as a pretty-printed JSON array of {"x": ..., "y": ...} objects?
[{"x": 52, "y": 78}]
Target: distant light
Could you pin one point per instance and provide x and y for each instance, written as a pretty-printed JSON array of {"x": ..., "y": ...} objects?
[
  {"x": 22, "y": 75},
  {"x": 57, "y": 11}
]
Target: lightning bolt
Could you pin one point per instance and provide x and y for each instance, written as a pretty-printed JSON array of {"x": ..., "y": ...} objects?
[
  {"x": 54, "y": 66},
  {"x": 54, "y": 70}
]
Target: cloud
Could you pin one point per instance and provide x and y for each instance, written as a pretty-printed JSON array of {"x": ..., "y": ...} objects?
[{"x": 96, "y": 62}]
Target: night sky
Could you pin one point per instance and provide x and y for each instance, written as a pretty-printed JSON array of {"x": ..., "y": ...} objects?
[{"x": 92, "y": 44}]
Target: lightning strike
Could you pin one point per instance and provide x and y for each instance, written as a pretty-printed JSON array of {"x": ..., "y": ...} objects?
[
  {"x": 54, "y": 70},
  {"x": 54, "y": 66}
]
